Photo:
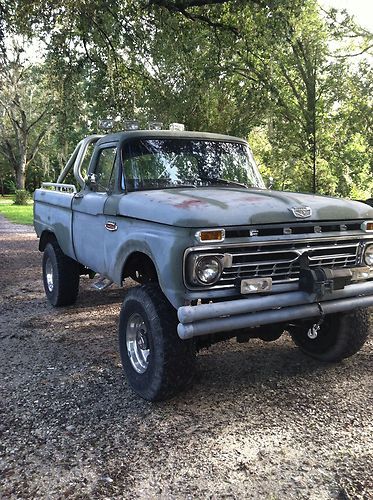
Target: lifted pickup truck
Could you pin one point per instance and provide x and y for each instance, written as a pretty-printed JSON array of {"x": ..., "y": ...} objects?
[{"x": 216, "y": 255}]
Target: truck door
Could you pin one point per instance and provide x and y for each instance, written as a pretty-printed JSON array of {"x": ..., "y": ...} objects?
[{"x": 88, "y": 209}]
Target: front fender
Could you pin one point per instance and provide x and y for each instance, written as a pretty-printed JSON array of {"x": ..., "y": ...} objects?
[{"x": 165, "y": 246}]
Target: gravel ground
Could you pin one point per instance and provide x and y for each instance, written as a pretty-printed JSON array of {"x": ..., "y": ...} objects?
[{"x": 262, "y": 421}]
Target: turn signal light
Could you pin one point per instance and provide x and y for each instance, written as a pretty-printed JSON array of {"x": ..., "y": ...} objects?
[
  {"x": 211, "y": 235},
  {"x": 367, "y": 226}
]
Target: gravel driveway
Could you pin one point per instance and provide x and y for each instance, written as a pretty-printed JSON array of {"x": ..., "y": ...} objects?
[{"x": 262, "y": 421}]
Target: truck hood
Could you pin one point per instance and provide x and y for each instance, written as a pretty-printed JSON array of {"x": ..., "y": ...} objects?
[{"x": 219, "y": 207}]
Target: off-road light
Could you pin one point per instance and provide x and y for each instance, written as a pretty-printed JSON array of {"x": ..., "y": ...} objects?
[
  {"x": 256, "y": 285},
  {"x": 210, "y": 235},
  {"x": 131, "y": 125},
  {"x": 155, "y": 125},
  {"x": 367, "y": 226},
  {"x": 368, "y": 255},
  {"x": 208, "y": 270},
  {"x": 177, "y": 127},
  {"x": 106, "y": 124}
]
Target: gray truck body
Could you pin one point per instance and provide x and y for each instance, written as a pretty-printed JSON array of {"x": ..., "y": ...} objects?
[{"x": 102, "y": 230}]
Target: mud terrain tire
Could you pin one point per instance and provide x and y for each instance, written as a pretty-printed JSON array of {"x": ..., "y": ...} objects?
[
  {"x": 340, "y": 336},
  {"x": 157, "y": 363},
  {"x": 60, "y": 276}
]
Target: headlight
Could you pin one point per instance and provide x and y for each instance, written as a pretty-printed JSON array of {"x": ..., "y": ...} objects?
[
  {"x": 368, "y": 255},
  {"x": 208, "y": 270}
]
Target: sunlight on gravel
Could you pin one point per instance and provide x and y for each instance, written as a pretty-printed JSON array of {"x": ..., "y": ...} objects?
[{"x": 262, "y": 420}]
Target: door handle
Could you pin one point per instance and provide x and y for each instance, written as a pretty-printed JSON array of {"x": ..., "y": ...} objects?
[{"x": 111, "y": 226}]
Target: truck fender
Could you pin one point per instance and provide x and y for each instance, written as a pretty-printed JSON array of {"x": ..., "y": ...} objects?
[{"x": 45, "y": 238}]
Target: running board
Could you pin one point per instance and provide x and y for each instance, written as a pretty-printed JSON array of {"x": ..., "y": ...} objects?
[{"x": 102, "y": 284}]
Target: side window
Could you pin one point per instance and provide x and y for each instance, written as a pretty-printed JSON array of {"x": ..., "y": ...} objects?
[{"x": 105, "y": 171}]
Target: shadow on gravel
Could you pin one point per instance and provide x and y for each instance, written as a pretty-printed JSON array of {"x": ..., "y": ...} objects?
[
  {"x": 91, "y": 298},
  {"x": 261, "y": 420}
]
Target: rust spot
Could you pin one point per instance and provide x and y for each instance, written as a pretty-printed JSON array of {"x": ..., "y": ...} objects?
[{"x": 190, "y": 203}]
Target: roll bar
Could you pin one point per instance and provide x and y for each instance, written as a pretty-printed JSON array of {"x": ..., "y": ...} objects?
[{"x": 76, "y": 159}]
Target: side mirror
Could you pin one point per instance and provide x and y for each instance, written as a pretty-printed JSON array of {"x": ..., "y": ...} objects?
[
  {"x": 92, "y": 181},
  {"x": 271, "y": 181}
]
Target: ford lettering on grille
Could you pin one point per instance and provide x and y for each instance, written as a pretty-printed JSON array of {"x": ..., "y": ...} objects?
[{"x": 280, "y": 261}]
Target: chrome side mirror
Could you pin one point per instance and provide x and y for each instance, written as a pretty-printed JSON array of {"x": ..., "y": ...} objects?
[{"x": 91, "y": 181}]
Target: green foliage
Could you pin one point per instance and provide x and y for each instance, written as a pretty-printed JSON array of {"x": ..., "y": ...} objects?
[
  {"x": 10, "y": 186},
  {"x": 21, "y": 197},
  {"x": 261, "y": 70},
  {"x": 16, "y": 213},
  {"x": 26, "y": 105}
]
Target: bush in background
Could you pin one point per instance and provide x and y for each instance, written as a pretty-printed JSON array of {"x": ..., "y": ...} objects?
[
  {"x": 21, "y": 197},
  {"x": 9, "y": 186}
]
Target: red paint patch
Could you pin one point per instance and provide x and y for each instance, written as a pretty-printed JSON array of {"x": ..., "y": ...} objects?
[{"x": 190, "y": 204}]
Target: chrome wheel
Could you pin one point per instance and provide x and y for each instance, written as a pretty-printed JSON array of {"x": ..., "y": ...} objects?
[
  {"x": 49, "y": 274},
  {"x": 137, "y": 343}
]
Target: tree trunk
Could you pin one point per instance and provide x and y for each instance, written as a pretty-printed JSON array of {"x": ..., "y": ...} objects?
[{"x": 21, "y": 176}]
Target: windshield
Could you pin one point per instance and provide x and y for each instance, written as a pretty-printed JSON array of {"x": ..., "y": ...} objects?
[{"x": 171, "y": 163}]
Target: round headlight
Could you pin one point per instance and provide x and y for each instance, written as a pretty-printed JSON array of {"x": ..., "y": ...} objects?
[
  {"x": 208, "y": 270},
  {"x": 368, "y": 255}
]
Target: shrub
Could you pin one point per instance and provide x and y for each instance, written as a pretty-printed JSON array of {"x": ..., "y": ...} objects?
[
  {"x": 9, "y": 186},
  {"x": 21, "y": 197}
]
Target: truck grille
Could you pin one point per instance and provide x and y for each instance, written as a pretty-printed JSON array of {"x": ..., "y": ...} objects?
[{"x": 280, "y": 261}]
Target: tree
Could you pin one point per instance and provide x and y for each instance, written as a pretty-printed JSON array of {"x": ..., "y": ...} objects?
[
  {"x": 258, "y": 68},
  {"x": 26, "y": 108}
]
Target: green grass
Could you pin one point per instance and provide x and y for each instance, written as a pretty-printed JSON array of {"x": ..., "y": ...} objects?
[{"x": 20, "y": 214}]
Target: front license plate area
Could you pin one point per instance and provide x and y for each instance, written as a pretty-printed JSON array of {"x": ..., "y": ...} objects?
[{"x": 256, "y": 285}]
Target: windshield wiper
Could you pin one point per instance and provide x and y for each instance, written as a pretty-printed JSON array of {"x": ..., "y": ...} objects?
[
  {"x": 176, "y": 186},
  {"x": 153, "y": 188}
]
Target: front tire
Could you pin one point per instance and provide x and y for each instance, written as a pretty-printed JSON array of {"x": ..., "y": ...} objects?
[
  {"x": 157, "y": 363},
  {"x": 339, "y": 336},
  {"x": 60, "y": 276}
]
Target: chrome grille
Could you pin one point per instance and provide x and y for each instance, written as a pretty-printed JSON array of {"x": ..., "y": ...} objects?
[
  {"x": 282, "y": 264},
  {"x": 280, "y": 260}
]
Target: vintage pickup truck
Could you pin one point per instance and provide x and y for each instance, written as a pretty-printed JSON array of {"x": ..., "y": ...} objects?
[{"x": 215, "y": 253}]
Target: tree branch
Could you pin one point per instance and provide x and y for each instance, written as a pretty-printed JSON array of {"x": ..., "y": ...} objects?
[
  {"x": 40, "y": 117},
  {"x": 36, "y": 145},
  {"x": 341, "y": 56}
]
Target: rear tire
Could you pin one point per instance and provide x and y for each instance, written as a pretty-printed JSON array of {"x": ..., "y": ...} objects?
[
  {"x": 60, "y": 276},
  {"x": 157, "y": 363},
  {"x": 340, "y": 336}
]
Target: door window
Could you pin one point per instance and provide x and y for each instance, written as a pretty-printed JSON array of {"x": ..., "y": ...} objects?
[{"x": 105, "y": 170}]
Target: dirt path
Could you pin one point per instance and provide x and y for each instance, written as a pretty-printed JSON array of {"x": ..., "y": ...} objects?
[{"x": 262, "y": 421}]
